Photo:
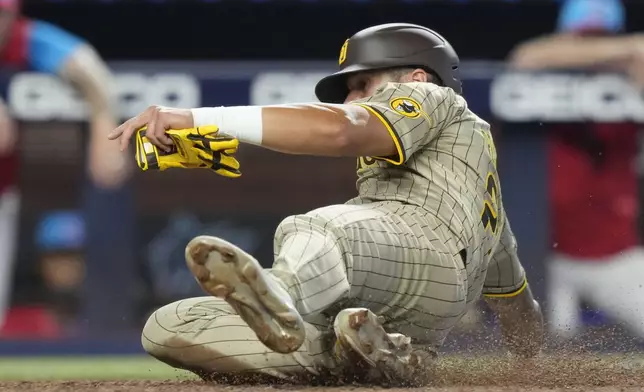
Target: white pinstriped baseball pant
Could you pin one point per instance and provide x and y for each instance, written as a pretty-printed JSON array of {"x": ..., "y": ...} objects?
[{"x": 392, "y": 258}]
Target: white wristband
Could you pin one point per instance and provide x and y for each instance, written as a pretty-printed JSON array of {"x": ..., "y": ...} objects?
[{"x": 241, "y": 122}]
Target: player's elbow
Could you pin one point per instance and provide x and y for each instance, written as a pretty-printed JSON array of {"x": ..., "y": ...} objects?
[
  {"x": 334, "y": 137},
  {"x": 525, "y": 58},
  {"x": 348, "y": 130},
  {"x": 340, "y": 134},
  {"x": 87, "y": 70},
  {"x": 534, "y": 54}
]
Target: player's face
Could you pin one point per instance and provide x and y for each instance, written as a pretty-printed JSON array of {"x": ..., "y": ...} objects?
[{"x": 363, "y": 84}]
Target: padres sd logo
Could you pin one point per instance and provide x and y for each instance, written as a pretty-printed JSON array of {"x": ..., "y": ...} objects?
[
  {"x": 408, "y": 107},
  {"x": 343, "y": 52}
]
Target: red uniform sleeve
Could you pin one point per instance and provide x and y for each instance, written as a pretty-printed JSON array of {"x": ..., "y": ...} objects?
[{"x": 10, "y": 5}]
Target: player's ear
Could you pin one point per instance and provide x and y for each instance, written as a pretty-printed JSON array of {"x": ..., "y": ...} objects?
[{"x": 420, "y": 75}]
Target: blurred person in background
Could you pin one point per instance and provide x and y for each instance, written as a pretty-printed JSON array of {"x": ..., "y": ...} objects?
[
  {"x": 36, "y": 45},
  {"x": 597, "y": 258},
  {"x": 60, "y": 241},
  {"x": 50, "y": 308}
]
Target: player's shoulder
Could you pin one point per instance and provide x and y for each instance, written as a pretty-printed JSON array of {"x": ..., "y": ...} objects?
[
  {"x": 423, "y": 92},
  {"x": 420, "y": 92},
  {"x": 410, "y": 88}
]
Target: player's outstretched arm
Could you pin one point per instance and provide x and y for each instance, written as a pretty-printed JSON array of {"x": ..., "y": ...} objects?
[
  {"x": 325, "y": 129},
  {"x": 391, "y": 124},
  {"x": 567, "y": 51},
  {"x": 312, "y": 129},
  {"x": 521, "y": 322}
]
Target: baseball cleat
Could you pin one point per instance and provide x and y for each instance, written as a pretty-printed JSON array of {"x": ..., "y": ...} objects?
[
  {"x": 360, "y": 336},
  {"x": 227, "y": 272}
]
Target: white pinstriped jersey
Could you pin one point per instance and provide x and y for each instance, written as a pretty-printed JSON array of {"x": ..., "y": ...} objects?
[{"x": 446, "y": 164}]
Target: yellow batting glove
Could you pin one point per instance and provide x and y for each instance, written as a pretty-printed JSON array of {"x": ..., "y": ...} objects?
[
  {"x": 214, "y": 150},
  {"x": 194, "y": 148},
  {"x": 221, "y": 162},
  {"x": 149, "y": 157}
]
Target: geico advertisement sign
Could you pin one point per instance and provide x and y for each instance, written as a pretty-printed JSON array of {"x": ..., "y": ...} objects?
[
  {"x": 556, "y": 97},
  {"x": 275, "y": 88},
  {"x": 37, "y": 97}
]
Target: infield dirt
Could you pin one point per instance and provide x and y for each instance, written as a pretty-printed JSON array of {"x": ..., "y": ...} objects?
[{"x": 571, "y": 373}]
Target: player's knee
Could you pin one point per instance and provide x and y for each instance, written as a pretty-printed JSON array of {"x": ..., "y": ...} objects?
[
  {"x": 161, "y": 334},
  {"x": 83, "y": 62},
  {"x": 175, "y": 333},
  {"x": 150, "y": 340}
]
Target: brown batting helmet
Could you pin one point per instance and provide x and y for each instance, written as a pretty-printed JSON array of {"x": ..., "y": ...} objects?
[{"x": 389, "y": 46}]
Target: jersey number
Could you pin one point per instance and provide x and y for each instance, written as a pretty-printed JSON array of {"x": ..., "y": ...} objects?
[{"x": 490, "y": 214}]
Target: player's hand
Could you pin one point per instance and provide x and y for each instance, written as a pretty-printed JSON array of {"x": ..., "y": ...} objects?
[
  {"x": 521, "y": 322},
  {"x": 8, "y": 132},
  {"x": 194, "y": 148},
  {"x": 158, "y": 120}
]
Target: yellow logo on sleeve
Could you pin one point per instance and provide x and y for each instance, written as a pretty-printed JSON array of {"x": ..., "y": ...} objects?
[{"x": 408, "y": 107}]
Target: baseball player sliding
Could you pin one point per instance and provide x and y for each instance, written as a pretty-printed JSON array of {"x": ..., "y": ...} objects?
[{"x": 378, "y": 282}]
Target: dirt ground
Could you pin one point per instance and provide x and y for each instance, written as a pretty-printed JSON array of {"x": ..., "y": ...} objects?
[
  {"x": 200, "y": 387},
  {"x": 571, "y": 373}
]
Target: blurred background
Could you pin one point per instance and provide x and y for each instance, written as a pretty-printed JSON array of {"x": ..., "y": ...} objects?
[{"x": 89, "y": 246}]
